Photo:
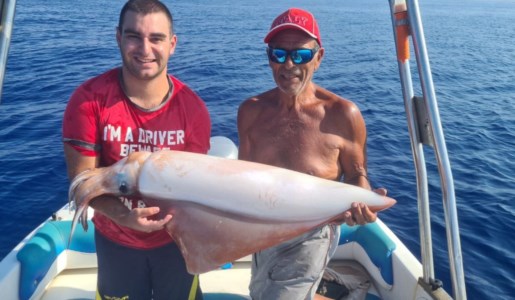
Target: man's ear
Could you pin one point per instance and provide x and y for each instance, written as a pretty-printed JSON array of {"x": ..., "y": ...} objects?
[
  {"x": 173, "y": 44},
  {"x": 318, "y": 58},
  {"x": 118, "y": 36}
]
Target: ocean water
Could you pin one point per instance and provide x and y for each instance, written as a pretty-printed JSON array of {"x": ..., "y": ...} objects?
[{"x": 57, "y": 44}]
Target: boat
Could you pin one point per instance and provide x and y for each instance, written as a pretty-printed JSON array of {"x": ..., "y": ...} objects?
[{"x": 46, "y": 265}]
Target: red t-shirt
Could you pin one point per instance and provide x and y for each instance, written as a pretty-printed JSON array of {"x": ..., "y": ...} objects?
[{"x": 101, "y": 121}]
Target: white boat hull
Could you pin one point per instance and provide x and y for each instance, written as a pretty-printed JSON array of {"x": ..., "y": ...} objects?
[{"x": 72, "y": 274}]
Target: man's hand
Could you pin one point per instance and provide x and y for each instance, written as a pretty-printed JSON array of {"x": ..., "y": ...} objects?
[
  {"x": 139, "y": 219},
  {"x": 359, "y": 213}
]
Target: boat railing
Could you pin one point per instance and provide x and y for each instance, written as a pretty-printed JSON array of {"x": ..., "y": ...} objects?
[
  {"x": 425, "y": 128},
  {"x": 7, "y": 9}
]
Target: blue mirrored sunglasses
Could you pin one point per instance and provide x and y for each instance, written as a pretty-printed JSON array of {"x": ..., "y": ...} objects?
[{"x": 298, "y": 56}]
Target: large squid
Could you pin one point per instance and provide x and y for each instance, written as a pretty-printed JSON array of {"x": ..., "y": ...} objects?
[{"x": 223, "y": 209}]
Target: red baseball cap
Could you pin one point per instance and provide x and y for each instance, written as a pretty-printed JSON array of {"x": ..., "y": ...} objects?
[{"x": 295, "y": 18}]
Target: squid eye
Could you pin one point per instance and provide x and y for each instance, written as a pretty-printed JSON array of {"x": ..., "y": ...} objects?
[{"x": 123, "y": 188}]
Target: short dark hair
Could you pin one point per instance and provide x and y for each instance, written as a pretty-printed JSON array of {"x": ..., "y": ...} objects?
[{"x": 145, "y": 7}]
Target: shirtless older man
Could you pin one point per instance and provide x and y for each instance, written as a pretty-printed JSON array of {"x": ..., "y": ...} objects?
[{"x": 301, "y": 126}]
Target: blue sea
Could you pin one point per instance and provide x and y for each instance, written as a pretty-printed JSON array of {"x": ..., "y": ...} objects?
[{"x": 58, "y": 44}]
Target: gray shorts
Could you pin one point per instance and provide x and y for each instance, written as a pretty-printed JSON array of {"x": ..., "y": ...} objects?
[{"x": 292, "y": 270}]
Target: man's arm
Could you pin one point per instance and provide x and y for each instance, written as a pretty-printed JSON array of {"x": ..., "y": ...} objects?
[
  {"x": 244, "y": 119},
  {"x": 111, "y": 206},
  {"x": 353, "y": 160}
]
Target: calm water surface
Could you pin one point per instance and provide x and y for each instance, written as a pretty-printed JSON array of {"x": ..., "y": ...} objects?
[{"x": 58, "y": 44}]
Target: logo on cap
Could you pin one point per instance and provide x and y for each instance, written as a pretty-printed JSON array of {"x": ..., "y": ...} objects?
[{"x": 295, "y": 18}]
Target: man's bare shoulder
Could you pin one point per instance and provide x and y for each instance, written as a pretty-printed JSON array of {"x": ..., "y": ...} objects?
[
  {"x": 262, "y": 99},
  {"x": 335, "y": 104},
  {"x": 252, "y": 109},
  {"x": 254, "y": 105}
]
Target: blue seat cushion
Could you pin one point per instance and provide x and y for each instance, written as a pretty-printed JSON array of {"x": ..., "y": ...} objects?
[
  {"x": 376, "y": 243},
  {"x": 42, "y": 249},
  {"x": 223, "y": 296}
]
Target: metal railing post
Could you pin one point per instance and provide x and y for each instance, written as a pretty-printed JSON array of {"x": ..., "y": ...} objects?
[
  {"x": 426, "y": 128},
  {"x": 7, "y": 10}
]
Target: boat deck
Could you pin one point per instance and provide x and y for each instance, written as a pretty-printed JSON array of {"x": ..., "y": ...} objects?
[
  {"x": 230, "y": 283},
  {"x": 81, "y": 283}
]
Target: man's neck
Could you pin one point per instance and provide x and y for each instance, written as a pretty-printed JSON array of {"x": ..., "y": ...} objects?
[
  {"x": 146, "y": 94},
  {"x": 297, "y": 101}
]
